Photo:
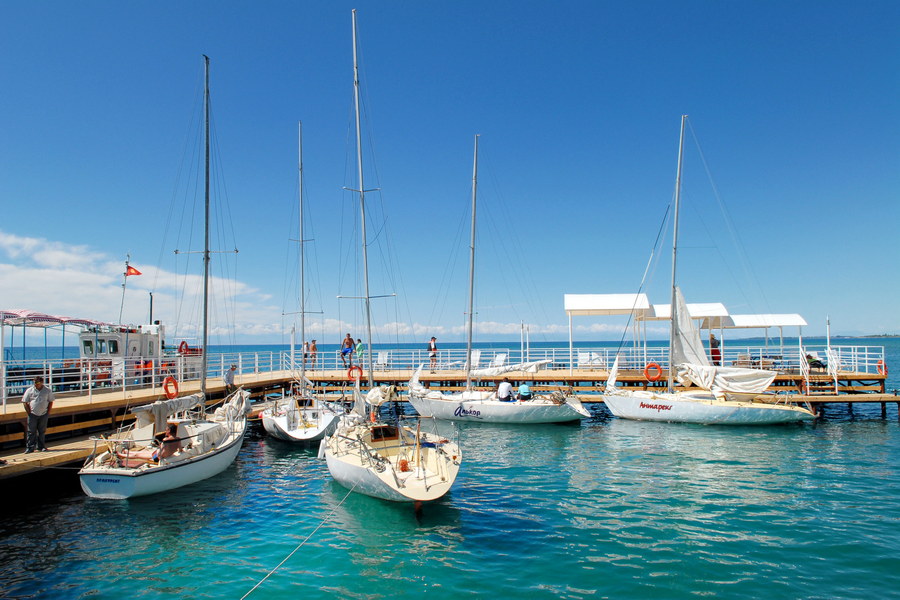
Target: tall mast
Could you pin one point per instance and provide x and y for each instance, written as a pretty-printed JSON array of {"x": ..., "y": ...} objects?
[
  {"x": 672, "y": 312},
  {"x": 471, "y": 272},
  {"x": 302, "y": 255},
  {"x": 204, "y": 355},
  {"x": 362, "y": 206}
]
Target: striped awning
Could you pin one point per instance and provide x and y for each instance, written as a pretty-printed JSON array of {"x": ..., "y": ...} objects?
[{"x": 32, "y": 318}]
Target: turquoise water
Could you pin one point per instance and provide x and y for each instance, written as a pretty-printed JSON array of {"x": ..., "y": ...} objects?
[{"x": 602, "y": 509}]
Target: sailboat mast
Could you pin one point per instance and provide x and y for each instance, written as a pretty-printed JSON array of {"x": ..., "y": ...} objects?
[
  {"x": 672, "y": 311},
  {"x": 204, "y": 354},
  {"x": 362, "y": 206},
  {"x": 471, "y": 272},
  {"x": 303, "y": 347}
]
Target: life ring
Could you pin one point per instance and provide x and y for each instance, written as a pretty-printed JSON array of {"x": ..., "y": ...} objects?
[
  {"x": 183, "y": 347},
  {"x": 657, "y": 371},
  {"x": 355, "y": 369},
  {"x": 882, "y": 368},
  {"x": 170, "y": 387}
]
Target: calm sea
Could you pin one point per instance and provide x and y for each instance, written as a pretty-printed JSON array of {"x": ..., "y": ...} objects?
[{"x": 602, "y": 509}]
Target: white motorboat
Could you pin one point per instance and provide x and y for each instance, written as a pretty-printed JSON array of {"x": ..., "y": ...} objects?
[
  {"x": 711, "y": 394},
  {"x": 398, "y": 462}
]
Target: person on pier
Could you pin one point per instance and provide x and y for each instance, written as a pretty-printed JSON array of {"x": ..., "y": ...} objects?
[
  {"x": 38, "y": 400},
  {"x": 347, "y": 350}
]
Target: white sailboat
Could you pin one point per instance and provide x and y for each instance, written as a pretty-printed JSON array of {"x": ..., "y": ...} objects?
[
  {"x": 484, "y": 406},
  {"x": 398, "y": 462},
  {"x": 300, "y": 416},
  {"x": 716, "y": 395},
  {"x": 136, "y": 461}
]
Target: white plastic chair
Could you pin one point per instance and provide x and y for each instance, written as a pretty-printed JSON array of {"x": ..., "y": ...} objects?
[
  {"x": 382, "y": 360},
  {"x": 499, "y": 360}
]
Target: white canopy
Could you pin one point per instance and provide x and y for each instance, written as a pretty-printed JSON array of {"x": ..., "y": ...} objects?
[
  {"x": 761, "y": 321},
  {"x": 584, "y": 305},
  {"x": 711, "y": 311}
]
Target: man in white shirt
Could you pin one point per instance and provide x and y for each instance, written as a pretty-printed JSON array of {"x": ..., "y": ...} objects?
[
  {"x": 504, "y": 391},
  {"x": 38, "y": 401}
]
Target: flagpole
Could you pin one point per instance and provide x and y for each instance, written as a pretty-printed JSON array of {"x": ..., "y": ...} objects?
[{"x": 124, "y": 283}]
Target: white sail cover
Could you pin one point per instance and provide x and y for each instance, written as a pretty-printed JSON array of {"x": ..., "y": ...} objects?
[
  {"x": 686, "y": 344},
  {"x": 525, "y": 367},
  {"x": 161, "y": 409},
  {"x": 692, "y": 366},
  {"x": 726, "y": 380}
]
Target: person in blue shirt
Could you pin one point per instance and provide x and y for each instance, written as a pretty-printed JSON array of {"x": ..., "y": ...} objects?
[{"x": 524, "y": 392}]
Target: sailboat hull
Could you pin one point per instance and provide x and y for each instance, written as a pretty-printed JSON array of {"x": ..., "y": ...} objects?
[
  {"x": 481, "y": 408},
  {"x": 400, "y": 472},
  {"x": 702, "y": 408},
  {"x": 300, "y": 425},
  {"x": 123, "y": 483}
]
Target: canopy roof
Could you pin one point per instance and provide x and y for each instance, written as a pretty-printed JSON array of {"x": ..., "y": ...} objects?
[
  {"x": 31, "y": 318},
  {"x": 606, "y": 304},
  {"x": 714, "y": 311},
  {"x": 761, "y": 321}
]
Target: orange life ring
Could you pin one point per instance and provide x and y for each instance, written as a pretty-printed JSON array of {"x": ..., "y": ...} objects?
[
  {"x": 657, "y": 371},
  {"x": 357, "y": 370},
  {"x": 882, "y": 368},
  {"x": 170, "y": 387},
  {"x": 183, "y": 347}
]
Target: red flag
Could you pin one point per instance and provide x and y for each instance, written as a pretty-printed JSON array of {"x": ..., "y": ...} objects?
[{"x": 131, "y": 271}]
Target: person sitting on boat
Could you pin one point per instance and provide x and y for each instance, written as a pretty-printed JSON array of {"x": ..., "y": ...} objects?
[
  {"x": 524, "y": 392},
  {"x": 504, "y": 391},
  {"x": 170, "y": 444}
]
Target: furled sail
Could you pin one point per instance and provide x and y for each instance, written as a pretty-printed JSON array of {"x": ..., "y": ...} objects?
[
  {"x": 161, "y": 409},
  {"x": 686, "y": 344}
]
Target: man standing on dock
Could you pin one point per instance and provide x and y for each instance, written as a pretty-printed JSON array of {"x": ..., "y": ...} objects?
[
  {"x": 38, "y": 401},
  {"x": 229, "y": 380}
]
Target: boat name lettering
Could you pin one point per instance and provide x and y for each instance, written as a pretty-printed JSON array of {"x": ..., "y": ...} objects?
[
  {"x": 656, "y": 407},
  {"x": 106, "y": 480},
  {"x": 462, "y": 412}
]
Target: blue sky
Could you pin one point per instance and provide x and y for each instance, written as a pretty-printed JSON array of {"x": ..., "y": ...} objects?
[{"x": 795, "y": 136}]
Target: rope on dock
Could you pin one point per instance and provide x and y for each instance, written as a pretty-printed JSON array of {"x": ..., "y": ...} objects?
[{"x": 286, "y": 558}]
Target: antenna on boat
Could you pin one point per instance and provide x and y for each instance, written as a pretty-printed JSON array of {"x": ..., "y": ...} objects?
[{"x": 672, "y": 312}]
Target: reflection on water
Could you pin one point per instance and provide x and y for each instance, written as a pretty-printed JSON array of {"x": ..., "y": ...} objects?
[{"x": 605, "y": 508}]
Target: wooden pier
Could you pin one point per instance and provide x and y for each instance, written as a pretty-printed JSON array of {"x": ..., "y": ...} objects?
[{"x": 77, "y": 416}]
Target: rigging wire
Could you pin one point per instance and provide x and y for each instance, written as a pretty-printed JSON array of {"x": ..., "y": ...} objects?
[
  {"x": 732, "y": 230},
  {"x": 300, "y": 545}
]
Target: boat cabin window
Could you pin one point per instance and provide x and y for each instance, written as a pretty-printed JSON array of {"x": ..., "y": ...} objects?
[
  {"x": 87, "y": 347},
  {"x": 101, "y": 346},
  {"x": 384, "y": 432},
  {"x": 113, "y": 346}
]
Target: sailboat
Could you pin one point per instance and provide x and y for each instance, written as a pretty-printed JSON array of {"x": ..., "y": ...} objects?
[
  {"x": 711, "y": 394},
  {"x": 393, "y": 461},
  {"x": 137, "y": 460},
  {"x": 484, "y": 406},
  {"x": 301, "y": 416}
]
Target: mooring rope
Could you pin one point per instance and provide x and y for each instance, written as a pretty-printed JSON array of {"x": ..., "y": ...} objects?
[{"x": 294, "y": 551}]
